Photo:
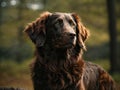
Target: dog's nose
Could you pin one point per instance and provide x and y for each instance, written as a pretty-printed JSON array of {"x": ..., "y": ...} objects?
[{"x": 72, "y": 35}]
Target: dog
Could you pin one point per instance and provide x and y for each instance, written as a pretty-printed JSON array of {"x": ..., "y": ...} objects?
[{"x": 59, "y": 39}]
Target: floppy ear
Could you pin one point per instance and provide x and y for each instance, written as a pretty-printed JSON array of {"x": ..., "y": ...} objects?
[
  {"x": 36, "y": 29},
  {"x": 82, "y": 32}
]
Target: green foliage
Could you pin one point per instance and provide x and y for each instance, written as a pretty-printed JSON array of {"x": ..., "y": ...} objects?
[
  {"x": 14, "y": 74},
  {"x": 116, "y": 76},
  {"x": 13, "y": 68},
  {"x": 104, "y": 63},
  {"x": 15, "y": 44}
]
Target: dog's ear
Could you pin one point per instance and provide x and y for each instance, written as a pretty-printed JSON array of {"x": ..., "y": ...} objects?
[
  {"x": 37, "y": 30},
  {"x": 82, "y": 31}
]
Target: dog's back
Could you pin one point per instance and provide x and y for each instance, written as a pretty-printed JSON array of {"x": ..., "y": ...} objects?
[{"x": 96, "y": 78}]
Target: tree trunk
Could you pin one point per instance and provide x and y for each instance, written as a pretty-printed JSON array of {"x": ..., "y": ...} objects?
[{"x": 113, "y": 36}]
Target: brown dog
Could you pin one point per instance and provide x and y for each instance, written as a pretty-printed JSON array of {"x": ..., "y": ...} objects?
[{"x": 59, "y": 40}]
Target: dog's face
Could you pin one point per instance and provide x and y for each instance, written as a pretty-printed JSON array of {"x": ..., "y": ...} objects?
[{"x": 61, "y": 30}]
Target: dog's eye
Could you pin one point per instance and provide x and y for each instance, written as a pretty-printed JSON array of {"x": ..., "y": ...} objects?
[
  {"x": 59, "y": 23},
  {"x": 72, "y": 24}
]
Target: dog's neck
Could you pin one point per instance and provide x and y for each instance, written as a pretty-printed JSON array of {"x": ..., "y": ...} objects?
[
  {"x": 63, "y": 62},
  {"x": 52, "y": 54}
]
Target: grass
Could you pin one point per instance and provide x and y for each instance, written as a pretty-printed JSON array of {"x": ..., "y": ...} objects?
[
  {"x": 14, "y": 74},
  {"x": 104, "y": 63}
]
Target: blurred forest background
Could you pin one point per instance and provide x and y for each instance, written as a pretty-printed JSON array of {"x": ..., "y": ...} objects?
[{"x": 101, "y": 17}]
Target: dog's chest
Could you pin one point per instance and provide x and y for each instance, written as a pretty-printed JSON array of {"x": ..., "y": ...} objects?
[{"x": 57, "y": 78}]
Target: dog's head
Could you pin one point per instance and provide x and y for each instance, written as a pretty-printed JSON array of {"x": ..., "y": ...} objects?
[{"x": 60, "y": 30}]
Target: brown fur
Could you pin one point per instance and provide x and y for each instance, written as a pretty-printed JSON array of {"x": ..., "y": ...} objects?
[{"x": 59, "y": 40}]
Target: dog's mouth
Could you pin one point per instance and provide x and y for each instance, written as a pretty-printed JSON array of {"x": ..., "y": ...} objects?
[
  {"x": 65, "y": 41},
  {"x": 64, "y": 45}
]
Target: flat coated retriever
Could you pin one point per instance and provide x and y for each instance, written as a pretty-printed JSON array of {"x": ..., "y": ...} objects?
[{"x": 60, "y": 40}]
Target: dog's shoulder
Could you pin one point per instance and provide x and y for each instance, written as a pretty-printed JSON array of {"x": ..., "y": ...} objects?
[
  {"x": 91, "y": 75},
  {"x": 92, "y": 67},
  {"x": 95, "y": 75}
]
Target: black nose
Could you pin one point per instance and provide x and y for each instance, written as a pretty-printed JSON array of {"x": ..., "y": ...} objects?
[{"x": 72, "y": 35}]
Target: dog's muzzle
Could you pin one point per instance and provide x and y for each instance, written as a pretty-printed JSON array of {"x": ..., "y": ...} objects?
[{"x": 65, "y": 40}]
